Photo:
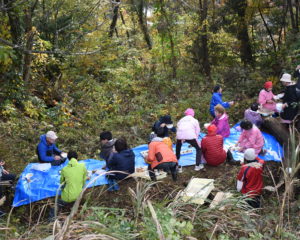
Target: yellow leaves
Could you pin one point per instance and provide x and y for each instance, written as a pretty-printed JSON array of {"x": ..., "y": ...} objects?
[{"x": 31, "y": 110}]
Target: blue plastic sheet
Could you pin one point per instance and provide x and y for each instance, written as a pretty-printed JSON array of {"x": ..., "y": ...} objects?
[{"x": 45, "y": 184}]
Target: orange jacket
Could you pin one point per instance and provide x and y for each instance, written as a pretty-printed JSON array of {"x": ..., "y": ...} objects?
[
  {"x": 168, "y": 141},
  {"x": 159, "y": 153}
]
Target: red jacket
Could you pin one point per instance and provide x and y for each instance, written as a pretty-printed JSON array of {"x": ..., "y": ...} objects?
[
  {"x": 251, "y": 176},
  {"x": 159, "y": 152},
  {"x": 212, "y": 149}
]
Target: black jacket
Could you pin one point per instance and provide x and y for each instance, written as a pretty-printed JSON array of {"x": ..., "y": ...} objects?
[{"x": 290, "y": 97}]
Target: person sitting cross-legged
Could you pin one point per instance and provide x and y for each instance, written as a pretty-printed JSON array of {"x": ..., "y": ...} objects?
[
  {"x": 160, "y": 156},
  {"x": 122, "y": 161}
]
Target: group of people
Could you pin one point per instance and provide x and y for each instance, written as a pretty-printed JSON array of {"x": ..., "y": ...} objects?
[{"x": 120, "y": 159}]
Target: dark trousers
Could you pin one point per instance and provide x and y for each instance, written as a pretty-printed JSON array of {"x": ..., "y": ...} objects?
[
  {"x": 166, "y": 167},
  {"x": 254, "y": 202},
  {"x": 60, "y": 205},
  {"x": 194, "y": 143},
  {"x": 6, "y": 177}
]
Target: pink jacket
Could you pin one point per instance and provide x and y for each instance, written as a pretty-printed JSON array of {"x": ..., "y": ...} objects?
[
  {"x": 222, "y": 125},
  {"x": 251, "y": 139},
  {"x": 187, "y": 128},
  {"x": 263, "y": 97}
]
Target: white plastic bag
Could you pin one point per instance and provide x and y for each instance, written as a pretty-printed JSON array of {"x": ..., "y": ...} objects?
[{"x": 239, "y": 185}]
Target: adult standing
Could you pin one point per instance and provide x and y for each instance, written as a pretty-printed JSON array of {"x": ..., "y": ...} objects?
[
  {"x": 188, "y": 130},
  {"x": 217, "y": 99},
  {"x": 290, "y": 109}
]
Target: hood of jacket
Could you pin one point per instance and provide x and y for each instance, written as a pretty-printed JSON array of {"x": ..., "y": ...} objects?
[
  {"x": 127, "y": 153},
  {"x": 109, "y": 144},
  {"x": 73, "y": 162},
  {"x": 43, "y": 139},
  {"x": 157, "y": 139}
]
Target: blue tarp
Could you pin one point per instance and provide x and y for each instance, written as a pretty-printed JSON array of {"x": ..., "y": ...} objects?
[{"x": 45, "y": 184}]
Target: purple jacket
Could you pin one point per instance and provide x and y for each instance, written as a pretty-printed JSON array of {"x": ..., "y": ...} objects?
[
  {"x": 253, "y": 117},
  {"x": 222, "y": 125}
]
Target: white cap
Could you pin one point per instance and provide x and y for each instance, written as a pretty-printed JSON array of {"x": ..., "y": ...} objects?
[
  {"x": 249, "y": 154},
  {"x": 51, "y": 135},
  {"x": 286, "y": 78}
]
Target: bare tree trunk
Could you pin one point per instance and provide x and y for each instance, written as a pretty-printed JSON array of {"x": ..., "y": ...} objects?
[
  {"x": 268, "y": 29},
  {"x": 29, "y": 35},
  {"x": 281, "y": 31},
  {"x": 204, "y": 52},
  {"x": 293, "y": 22},
  {"x": 297, "y": 14},
  {"x": 173, "y": 61},
  {"x": 113, "y": 24},
  {"x": 139, "y": 8},
  {"x": 240, "y": 7}
]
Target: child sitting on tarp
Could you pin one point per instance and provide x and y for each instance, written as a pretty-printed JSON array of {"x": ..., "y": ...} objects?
[
  {"x": 160, "y": 156},
  {"x": 212, "y": 147},
  {"x": 266, "y": 97},
  {"x": 122, "y": 161},
  {"x": 188, "y": 130},
  {"x": 221, "y": 121},
  {"x": 107, "y": 146},
  {"x": 250, "y": 179},
  {"x": 251, "y": 137},
  {"x": 253, "y": 116}
]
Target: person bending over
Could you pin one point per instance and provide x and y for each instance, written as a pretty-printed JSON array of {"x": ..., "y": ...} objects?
[
  {"x": 160, "y": 156},
  {"x": 188, "y": 130}
]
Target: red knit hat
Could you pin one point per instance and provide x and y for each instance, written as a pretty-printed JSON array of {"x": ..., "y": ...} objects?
[
  {"x": 268, "y": 84},
  {"x": 212, "y": 129}
]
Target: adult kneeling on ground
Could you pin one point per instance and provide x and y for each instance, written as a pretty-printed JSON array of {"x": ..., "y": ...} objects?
[
  {"x": 212, "y": 147},
  {"x": 250, "y": 179},
  {"x": 47, "y": 151},
  {"x": 160, "y": 156}
]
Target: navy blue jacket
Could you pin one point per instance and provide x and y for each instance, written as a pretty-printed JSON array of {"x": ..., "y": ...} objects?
[
  {"x": 215, "y": 100},
  {"x": 122, "y": 161},
  {"x": 157, "y": 124},
  {"x": 45, "y": 151}
]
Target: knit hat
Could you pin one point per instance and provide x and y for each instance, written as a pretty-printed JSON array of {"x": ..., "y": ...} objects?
[
  {"x": 166, "y": 119},
  {"x": 249, "y": 154},
  {"x": 189, "y": 112},
  {"x": 212, "y": 129},
  {"x": 51, "y": 135},
  {"x": 268, "y": 85},
  {"x": 286, "y": 78}
]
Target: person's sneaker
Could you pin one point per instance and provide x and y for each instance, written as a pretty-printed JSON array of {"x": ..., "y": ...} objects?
[
  {"x": 179, "y": 169},
  {"x": 198, "y": 168}
]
